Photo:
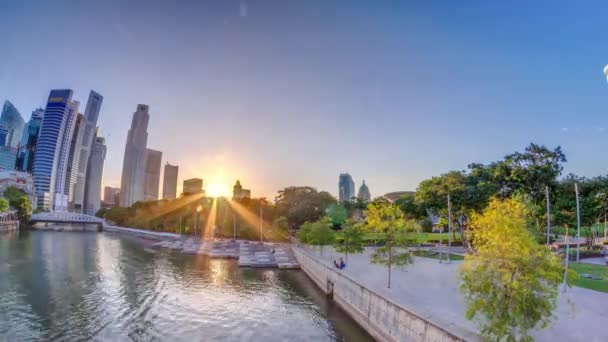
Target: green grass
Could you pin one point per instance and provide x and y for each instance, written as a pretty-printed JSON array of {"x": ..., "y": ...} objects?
[
  {"x": 421, "y": 237},
  {"x": 435, "y": 255},
  {"x": 596, "y": 270}
]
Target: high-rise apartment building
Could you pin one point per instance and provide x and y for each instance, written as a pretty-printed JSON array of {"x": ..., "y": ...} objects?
[
  {"x": 60, "y": 200},
  {"x": 73, "y": 160},
  {"x": 152, "y": 178},
  {"x": 49, "y": 145},
  {"x": 133, "y": 167},
  {"x": 27, "y": 148},
  {"x": 92, "y": 188},
  {"x": 83, "y": 149},
  {"x": 170, "y": 182},
  {"x": 346, "y": 188}
]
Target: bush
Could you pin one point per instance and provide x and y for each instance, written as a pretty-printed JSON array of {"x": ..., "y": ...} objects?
[{"x": 426, "y": 225}]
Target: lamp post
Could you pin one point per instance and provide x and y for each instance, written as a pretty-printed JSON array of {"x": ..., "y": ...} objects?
[
  {"x": 449, "y": 227},
  {"x": 578, "y": 225},
  {"x": 261, "y": 222}
]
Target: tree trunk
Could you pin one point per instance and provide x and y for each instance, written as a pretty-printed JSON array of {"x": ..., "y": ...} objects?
[{"x": 346, "y": 257}]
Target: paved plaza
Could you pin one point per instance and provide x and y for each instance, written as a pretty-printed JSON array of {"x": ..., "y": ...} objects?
[{"x": 431, "y": 290}]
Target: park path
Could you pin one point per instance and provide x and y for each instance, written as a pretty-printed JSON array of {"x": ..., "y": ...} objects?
[{"x": 431, "y": 290}]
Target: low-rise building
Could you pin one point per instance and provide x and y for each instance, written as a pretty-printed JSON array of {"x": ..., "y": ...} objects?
[{"x": 193, "y": 186}]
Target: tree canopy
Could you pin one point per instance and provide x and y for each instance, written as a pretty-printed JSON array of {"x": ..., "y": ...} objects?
[{"x": 300, "y": 204}]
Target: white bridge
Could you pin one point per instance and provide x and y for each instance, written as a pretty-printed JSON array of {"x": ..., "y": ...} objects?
[{"x": 66, "y": 217}]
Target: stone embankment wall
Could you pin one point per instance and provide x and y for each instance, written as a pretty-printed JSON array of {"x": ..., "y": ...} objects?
[
  {"x": 381, "y": 318},
  {"x": 8, "y": 226}
]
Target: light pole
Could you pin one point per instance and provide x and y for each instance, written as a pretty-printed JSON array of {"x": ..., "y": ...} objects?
[
  {"x": 548, "y": 217},
  {"x": 198, "y": 210},
  {"x": 261, "y": 222},
  {"x": 578, "y": 225},
  {"x": 449, "y": 227}
]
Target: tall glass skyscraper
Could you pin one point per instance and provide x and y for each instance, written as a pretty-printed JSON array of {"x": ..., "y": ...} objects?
[
  {"x": 152, "y": 179},
  {"x": 25, "y": 157},
  {"x": 60, "y": 201},
  {"x": 346, "y": 188},
  {"x": 133, "y": 166},
  {"x": 92, "y": 192},
  {"x": 11, "y": 128},
  {"x": 170, "y": 182},
  {"x": 84, "y": 144},
  {"x": 55, "y": 126}
]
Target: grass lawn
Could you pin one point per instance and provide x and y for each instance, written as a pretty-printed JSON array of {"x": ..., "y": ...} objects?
[
  {"x": 435, "y": 255},
  {"x": 422, "y": 237},
  {"x": 596, "y": 270}
]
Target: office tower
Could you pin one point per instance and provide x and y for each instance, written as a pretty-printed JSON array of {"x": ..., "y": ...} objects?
[
  {"x": 238, "y": 192},
  {"x": 110, "y": 196},
  {"x": 346, "y": 188},
  {"x": 27, "y": 148},
  {"x": 133, "y": 166},
  {"x": 92, "y": 187},
  {"x": 152, "y": 178},
  {"x": 60, "y": 200},
  {"x": 193, "y": 186},
  {"x": 73, "y": 160},
  {"x": 48, "y": 146},
  {"x": 13, "y": 122},
  {"x": 170, "y": 182},
  {"x": 364, "y": 193},
  {"x": 11, "y": 128},
  {"x": 83, "y": 150}
]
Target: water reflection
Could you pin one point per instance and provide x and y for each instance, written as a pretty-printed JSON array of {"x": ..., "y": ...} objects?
[{"x": 81, "y": 286}]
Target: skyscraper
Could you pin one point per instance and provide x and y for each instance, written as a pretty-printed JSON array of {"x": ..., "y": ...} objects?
[
  {"x": 133, "y": 166},
  {"x": 193, "y": 186},
  {"x": 152, "y": 178},
  {"x": 346, "y": 188},
  {"x": 170, "y": 182},
  {"x": 238, "y": 192},
  {"x": 60, "y": 200},
  {"x": 84, "y": 143},
  {"x": 92, "y": 188},
  {"x": 25, "y": 157},
  {"x": 364, "y": 193},
  {"x": 12, "y": 120},
  {"x": 11, "y": 124},
  {"x": 74, "y": 160},
  {"x": 48, "y": 146},
  {"x": 110, "y": 196}
]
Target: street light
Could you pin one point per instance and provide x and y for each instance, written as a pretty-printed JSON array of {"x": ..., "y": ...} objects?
[{"x": 606, "y": 71}]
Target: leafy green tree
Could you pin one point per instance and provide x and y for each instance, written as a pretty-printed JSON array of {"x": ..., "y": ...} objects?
[
  {"x": 321, "y": 234},
  {"x": 3, "y": 205},
  {"x": 302, "y": 203},
  {"x": 337, "y": 214},
  {"x": 20, "y": 202},
  {"x": 388, "y": 222},
  {"x": 511, "y": 281},
  {"x": 304, "y": 232},
  {"x": 352, "y": 241},
  {"x": 411, "y": 209}
]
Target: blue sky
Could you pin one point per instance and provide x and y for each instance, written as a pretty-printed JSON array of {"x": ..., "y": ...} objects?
[{"x": 281, "y": 93}]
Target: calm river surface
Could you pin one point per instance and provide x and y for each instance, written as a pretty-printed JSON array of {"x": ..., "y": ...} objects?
[{"x": 71, "y": 286}]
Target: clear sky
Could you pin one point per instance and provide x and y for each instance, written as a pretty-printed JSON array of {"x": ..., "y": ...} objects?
[{"x": 283, "y": 92}]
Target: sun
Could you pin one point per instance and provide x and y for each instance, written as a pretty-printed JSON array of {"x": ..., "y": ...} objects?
[{"x": 217, "y": 188}]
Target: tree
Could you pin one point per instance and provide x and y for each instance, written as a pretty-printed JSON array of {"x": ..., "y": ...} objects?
[
  {"x": 3, "y": 205},
  {"x": 388, "y": 222},
  {"x": 352, "y": 241},
  {"x": 337, "y": 215},
  {"x": 304, "y": 232},
  {"x": 20, "y": 202},
  {"x": 321, "y": 234},
  {"x": 302, "y": 203},
  {"x": 411, "y": 209},
  {"x": 511, "y": 280}
]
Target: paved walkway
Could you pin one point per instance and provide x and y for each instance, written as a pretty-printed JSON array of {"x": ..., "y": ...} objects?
[{"x": 432, "y": 289}]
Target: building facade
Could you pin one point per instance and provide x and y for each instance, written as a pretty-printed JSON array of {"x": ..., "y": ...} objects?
[
  {"x": 133, "y": 167},
  {"x": 193, "y": 186},
  {"x": 170, "y": 182},
  {"x": 238, "y": 192},
  {"x": 346, "y": 188},
  {"x": 20, "y": 180},
  {"x": 60, "y": 200},
  {"x": 83, "y": 150},
  {"x": 364, "y": 193},
  {"x": 48, "y": 146},
  {"x": 110, "y": 197},
  {"x": 13, "y": 122},
  {"x": 29, "y": 137},
  {"x": 92, "y": 188},
  {"x": 73, "y": 160},
  {"x": 152, "y": 177}
]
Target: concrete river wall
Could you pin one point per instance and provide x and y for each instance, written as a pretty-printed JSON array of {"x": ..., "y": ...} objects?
[{"x": 381, "y": 318}]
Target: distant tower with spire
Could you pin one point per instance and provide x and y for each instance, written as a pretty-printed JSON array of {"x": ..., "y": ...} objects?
[
  {"x": 238, "y": 192},
  {"x": 364, "y": 193}
]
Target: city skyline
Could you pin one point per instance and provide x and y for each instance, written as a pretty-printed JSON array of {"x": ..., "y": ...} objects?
[{"x": 399, "y": 92}]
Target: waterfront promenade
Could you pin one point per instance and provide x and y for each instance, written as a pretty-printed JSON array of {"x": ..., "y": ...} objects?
[{"x": 430, "y": 290}]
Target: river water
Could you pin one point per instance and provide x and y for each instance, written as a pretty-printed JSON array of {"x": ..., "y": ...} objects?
[{"x": 76, "y": 286}]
